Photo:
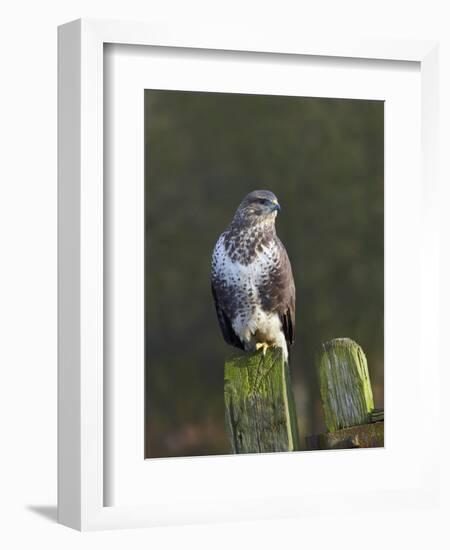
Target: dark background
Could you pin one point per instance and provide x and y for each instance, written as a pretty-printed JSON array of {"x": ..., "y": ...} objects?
[{"x": 323, "y": 158}]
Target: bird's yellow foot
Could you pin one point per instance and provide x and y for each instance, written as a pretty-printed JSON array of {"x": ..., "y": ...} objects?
[{"x": 262, "y": 345}]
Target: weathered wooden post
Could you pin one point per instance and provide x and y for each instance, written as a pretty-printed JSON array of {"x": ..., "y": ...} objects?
[
  {"x": 259, "y": 405},
  {"x": 350, "y": 417},
  {"x": 344, "y": 384}
]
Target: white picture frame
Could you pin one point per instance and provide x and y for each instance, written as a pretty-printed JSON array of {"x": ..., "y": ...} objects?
[{"x": 81, "y": 480}]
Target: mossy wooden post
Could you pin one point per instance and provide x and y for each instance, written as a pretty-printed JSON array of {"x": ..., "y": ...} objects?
[
  {"x": 344, "y": 384},
  {"x": 259, "y": 405},
  {"x": 347, "y": 401}
]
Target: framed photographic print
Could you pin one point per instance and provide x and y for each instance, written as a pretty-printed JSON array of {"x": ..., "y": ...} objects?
[{"x": 246, "y": 242}]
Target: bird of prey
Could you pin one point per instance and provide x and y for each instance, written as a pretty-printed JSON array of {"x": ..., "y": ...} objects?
[{"x": 251, "y": 278}]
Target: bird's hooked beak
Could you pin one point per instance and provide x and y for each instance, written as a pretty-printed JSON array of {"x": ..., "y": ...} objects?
[{"x": 276, "y": 206}]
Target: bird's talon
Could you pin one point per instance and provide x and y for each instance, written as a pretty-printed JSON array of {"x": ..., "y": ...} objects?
[{"x": 262, "y": 345}]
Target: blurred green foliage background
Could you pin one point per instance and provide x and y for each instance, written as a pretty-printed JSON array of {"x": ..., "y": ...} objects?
[{"x": 323, "y": 158}]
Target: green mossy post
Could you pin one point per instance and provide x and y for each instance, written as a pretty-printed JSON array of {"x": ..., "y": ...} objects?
[
  {"x": 259, "y": 405},
  {"x": 344, "y": 384}
]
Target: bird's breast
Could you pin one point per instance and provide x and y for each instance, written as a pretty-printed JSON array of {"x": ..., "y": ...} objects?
[{"x": 244, "y": 276}]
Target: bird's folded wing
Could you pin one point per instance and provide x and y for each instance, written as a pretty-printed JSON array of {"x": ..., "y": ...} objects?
[{"x": 228, "y": 333}]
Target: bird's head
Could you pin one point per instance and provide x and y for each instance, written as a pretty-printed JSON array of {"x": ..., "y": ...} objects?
[{"x": 258, "y": 206}]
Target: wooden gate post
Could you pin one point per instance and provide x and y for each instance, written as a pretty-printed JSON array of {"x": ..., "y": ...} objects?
[
  {"x": 350, "y": 417},
  {"x": 259, "y": 405},
  {"x": 344, "y": 384}
]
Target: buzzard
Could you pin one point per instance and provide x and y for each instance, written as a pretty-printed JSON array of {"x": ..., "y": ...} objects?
[{"x": 251, "y": 278}]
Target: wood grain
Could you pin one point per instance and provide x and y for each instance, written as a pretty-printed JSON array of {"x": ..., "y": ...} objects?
[{"x": 259, "y": 407}]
